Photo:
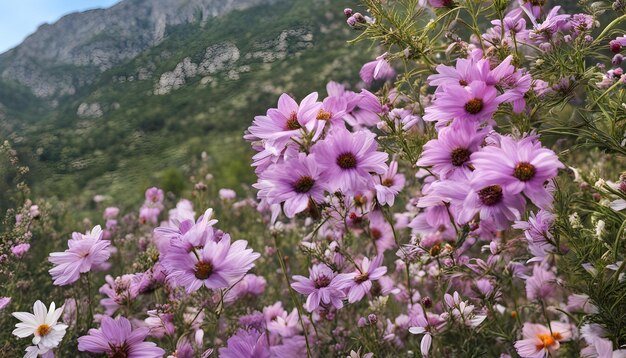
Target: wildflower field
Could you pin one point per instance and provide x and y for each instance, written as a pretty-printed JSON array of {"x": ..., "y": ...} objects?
[{"x": 466, "y": 199}]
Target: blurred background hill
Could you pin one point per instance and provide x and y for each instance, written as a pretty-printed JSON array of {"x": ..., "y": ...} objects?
[{"x": 111, "y": 101}]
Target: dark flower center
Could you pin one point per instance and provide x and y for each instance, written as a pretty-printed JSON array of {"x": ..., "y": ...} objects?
[
  {"x": 321, "y": 281},
  {"x": 460, "y": 156},
  {"x": 462, "y": 82},
  {"x": 203, "y": 270},
  {"x": 490, "y": 195},
  {"x": 474, "y": 106},
  {"x": 118, "y": 351},
  {"x": 536, "y": 2},
  {"x": 524, "y": 171},
  {"x": 388, "y": 182},
  {"x": 324, "y": 115},
  {"x": 292, "y": 122},
  {"x": 303, "y": 184},
  {"x": 362, "y": 277},
  {"x": 376, "y": 234},
  {"x": 346, "y": 161}
]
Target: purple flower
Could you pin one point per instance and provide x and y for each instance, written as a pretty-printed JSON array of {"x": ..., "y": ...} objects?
[
  {"x": 380, "y": 69},
  {"x": 349, "y": 158},
  {"x": 111, "y": 213},
  {"x": 537, "y": 232},
  {"x": 216, "y": 265},
  {"x": 323, "y": 286},
  {"x": 4, "y": 302},
  {"x": 246, "y": 344},
  {"x": 252, "y": 285},
  {"x": 380, "y": 231},
  {"x": 365, "y": 112},
  {"x": 85, "y": 252},
  {"x": 366, "y": 272},
  {"x": 491, "y": 201},
  {"x": 116, "y": 338},
  {"x": 541, "y": 285},
  {"x": 227, "y": 194},
  {"x": 449, "y": 154},
  {"x": 120, "y": 291},
  {"x": 296, "y": 183},
  {"x": 389, "y": 185},
  {"x": 518, "y": 166},
  {"x": 282, "y": 123},
  {"x": 464, "y": 106},
  {"x": 20, "y": 250},
  {"x": 154, "y": 195}
]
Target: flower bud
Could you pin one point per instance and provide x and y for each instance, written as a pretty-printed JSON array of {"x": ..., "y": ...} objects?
[
  {"x": 427, "y": 302},
  {"x": 348, "y": 12}
]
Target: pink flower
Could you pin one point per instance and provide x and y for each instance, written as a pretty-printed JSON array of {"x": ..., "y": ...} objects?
[
  {"x": 541, "y": 285},
  {"x": 227, "y": 194},
  {"x": 111, "y": 213},
  {"x": 518, "y": 166},
  {"x": 85, "y": 252},
  {"x": 296, "y": 183},
  {"x": 449, "y": 154},
  {"x": 246, "y": 344},
  {"x": 216, "y": 265},
  {"x": 4, "y": 302},
  {"x": 380, "y": 231},
  {"x": 367, "y": 272},
  {"x": 464, "y": 106},
  {"x": 380, "y": 69},
  {"x": 20, "y": 250},
  {"x": 540, "y": 341},
  {"x": 120, "y": 292},
  {"x": 323, "y": 286},
  {"x": 116, "y": 338},
  {"x": 389, "y": 185},
  {"x": 349, "y": 158}
]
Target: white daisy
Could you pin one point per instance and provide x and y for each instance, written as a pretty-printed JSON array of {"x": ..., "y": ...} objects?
[{"x": 43, "y": 325}]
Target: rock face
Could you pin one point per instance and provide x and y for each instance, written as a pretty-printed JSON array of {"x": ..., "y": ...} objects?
[{"x": 96, "y": 40}]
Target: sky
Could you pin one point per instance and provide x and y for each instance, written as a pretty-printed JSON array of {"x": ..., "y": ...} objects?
[{"x": 20, "y": 18}]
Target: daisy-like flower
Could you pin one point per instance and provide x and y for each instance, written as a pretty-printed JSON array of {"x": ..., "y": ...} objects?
[
  {"x": 216, "y": 265},
  {"x": 246, "y": 344},
  {"x": 43, "y": 324},
  {"x": 85, "y": 252},
  {"x": 379, "y": 69},
  {"x": 490, "y": 201},
  {"x": 519, "y": 166},
  {"x": 541, "y": 341},
  {"x": 367, "y": 272},
  {"x": 349, "y": 158},
  {"x": 541, "y": 285},
  {"x": 296, "y": 183},
  {"x": 449, "y": 154},
  {"x": 116, "y": 338},
  {"x": 323, "y": 286},
  {"x": 380, "y": 231},
  {"x": 282, "y": 123},
  {"x": 389, "y": 185},
  {"x": 464, "y": 106},
  {"x": 537, "y": 232}
]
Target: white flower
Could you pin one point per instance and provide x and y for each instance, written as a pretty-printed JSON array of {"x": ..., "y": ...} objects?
[
  {"x": 37, "y": 351},
  {"x": 43, "y": 325}
]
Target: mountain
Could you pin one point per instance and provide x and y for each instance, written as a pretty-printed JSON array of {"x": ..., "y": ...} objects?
[{"x": 110, "y": 101}]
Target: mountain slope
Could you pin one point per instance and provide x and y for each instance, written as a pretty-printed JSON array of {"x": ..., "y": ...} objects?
[{"x": 138, "y": 122}]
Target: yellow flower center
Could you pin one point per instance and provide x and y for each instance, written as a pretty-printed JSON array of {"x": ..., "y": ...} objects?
[
  {"x": 43, "y": 329},
  {"x": 548, "y": 340}
]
